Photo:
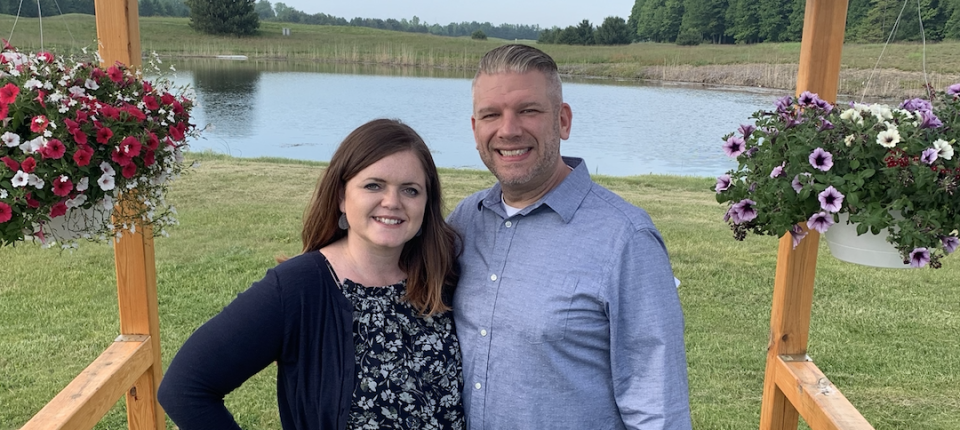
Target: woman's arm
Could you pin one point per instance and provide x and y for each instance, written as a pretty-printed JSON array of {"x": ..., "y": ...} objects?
[{"x": 223, "y": 353}]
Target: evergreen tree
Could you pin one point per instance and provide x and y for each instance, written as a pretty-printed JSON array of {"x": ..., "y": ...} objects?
[
  {"x": 952, "y": 23},
  {"x": 569, "y": 36},
  {"x": 742, "y": 21},
  {"x": 236, "y": 17},
  {"x": 585, "y": 33},
  {"x": 634, "y": 20},
  {"x": 613, "y": 31},
  {"x": 773, "y": 18}
]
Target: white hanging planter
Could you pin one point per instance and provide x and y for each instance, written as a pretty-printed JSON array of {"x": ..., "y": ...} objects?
[
  {"x": 867, "y": 249},
  {"x": 77, "y": 223}
]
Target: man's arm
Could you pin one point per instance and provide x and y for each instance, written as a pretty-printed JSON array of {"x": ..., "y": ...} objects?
[{"x": 647, "y": 353}]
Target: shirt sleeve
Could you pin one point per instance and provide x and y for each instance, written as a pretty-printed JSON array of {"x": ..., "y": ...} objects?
[
  {"x": 223, "y": 353},
  {"x": 647, "y": 353}
]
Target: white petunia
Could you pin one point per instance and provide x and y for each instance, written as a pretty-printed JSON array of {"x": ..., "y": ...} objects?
[
  {"x": 21, "y": 179},
  {"x": 106, "y": 182},
  {"x": 107, "y": 169},
  {"x": 10, "y": 139},
  {"x": 36, "y": 181},
  {"x": 849, "y": 139},
  {"x": 888, "y": 138},
  {"x": 851, "y": 115},
  {"x": 32, "y": 84},
  {"x": 91, "y": 84},
  {"x": 76, "y": 201},
  {"x": 76, "y": 91},
  {"x": 3, "y": 194},
  {"x": 82, "y": 185},
  {"x": 944, "y": 149},
  {"x": 107, "y": 203},
  {"x": 33, "y": 145}
]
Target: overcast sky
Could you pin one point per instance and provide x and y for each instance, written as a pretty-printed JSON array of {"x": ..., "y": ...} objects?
[{"x": 546, "y": 13}]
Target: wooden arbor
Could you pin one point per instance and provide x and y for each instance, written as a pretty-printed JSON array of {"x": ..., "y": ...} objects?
[
  {"x": 131, "y": 364},
  {"x": 793, "y": 385}
]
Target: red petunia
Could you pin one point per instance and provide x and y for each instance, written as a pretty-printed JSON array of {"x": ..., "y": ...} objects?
[
  {"x": 5, "y": 212},
  {"x": 110, "y": 112},
  {"x": 11, "y": 163},
  {"x": 41, "y": 94},
  {"x": 31, "y": 202},
  {"x": 129, "y": 170},
  {"x": 72, "y": 125},
  {"x": 152, "y": 142},
  {"x": 45, "y": 56},
  {"x": 149, "y": 158},
  {"x": 80, "y": 137},
  {"x": 167, "y": 99},
  {"x": 176, "y": 133},
  {"x": 134, "y": 112},
  {"x": 130, "y": 146},
  {"x": 54, "y": 149},
  {"x": 39, "y": 123},
  {"x": 62, "y": 186},
  {"x": 115, "y": 74},
  {"x": 82, "y": 156},
  {"x": 82, "y": 116},
  {"x": 4, "y": 110},
  {"x": 28, "y": 165},
  {"x": 103, "y": 135},
  {"x": 177, "y": 108},
  {"x": 151, "y": 102},
  {"x": 147, "y": 87},
  {"x": 8, "y": 94},
  {"x": 58, "y": 209},
  {"x": 120, "y": 157}
]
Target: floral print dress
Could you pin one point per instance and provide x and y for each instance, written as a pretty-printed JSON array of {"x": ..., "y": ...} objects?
[{"x": 409, "y": 373}]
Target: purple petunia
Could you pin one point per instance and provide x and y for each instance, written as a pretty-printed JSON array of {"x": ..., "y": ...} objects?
[
  {"x": 820, "y": 221},
  {"x": 824, "y": 125},
  {"x": 953, "y": 90},
  {"x": 824, "y": 105},
  {"x": 723, "y": 182},
  {"x": 919, "y": 257},
  {"x": 830, "y": 199},
  {"x": 797, "y": 233},
  {"x": 821, "y": 160},
  {"x": 783, "y": 103},
  {"x": 929, "y": 155},
  {"x": 746, "y": 130},
  {"x": 777, "y": 171},
  {"x": 734, "y": 146},
  {"x": 808, "y": 99},
  {"x": 796, "y": 184},
  {"x": 929, "y": 120},
  {"x": 950, "y": 243},
  {"x": 914, "y": 105},
  {"x": 743, "y": 211}
]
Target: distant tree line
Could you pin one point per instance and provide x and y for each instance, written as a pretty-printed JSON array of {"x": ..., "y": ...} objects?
[
  {"x": 281, "y": 12},
  {"x": 613, "y": 31},
  {"x": 689, "y": 22},
  {"x": 29, "y": 9}
]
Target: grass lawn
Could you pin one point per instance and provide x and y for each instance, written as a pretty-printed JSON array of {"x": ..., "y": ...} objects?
[{"x": 886, "y": 338}]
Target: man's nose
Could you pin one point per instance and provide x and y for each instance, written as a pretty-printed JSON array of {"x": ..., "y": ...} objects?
[{"x": 509, "y": 126}]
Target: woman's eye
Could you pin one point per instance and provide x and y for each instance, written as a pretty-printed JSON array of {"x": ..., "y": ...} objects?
[
  {"x": 372, "y": 187},
  {"x": 413, "y": 192}
]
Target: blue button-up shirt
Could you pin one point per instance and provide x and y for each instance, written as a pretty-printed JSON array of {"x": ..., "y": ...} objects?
[{"x": 567, "y": 313}]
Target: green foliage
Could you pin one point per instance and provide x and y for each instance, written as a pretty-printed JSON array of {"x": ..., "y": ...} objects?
[
  {"x": 478, "y": 35},
  {"x": 689, "y": 37},
  {"x": 234, "y": 17},
  {"x": 549, "y": 36},
  {"x": 613, "y": 31},
  {"x": 264, "y": 10}
]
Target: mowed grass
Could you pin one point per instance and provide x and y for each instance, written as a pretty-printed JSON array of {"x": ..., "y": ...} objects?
[{"x": 887, "y": 338}]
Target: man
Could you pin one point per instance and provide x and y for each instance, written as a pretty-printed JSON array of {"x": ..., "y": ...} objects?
[{"x": 566, "y": 309}]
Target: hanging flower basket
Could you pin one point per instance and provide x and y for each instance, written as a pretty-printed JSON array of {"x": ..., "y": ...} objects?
[
  {"x": 806, "y": 163},
  {"x": 75, "y": 138}
]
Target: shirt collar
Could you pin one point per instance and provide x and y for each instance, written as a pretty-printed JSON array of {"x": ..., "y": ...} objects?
[{"x": 564, "y": 199}]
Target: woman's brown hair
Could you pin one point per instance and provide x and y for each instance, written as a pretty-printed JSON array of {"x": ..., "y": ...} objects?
[{"x": 428, "y": 259}]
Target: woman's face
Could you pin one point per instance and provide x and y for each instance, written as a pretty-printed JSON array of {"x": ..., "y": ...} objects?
[{"x": 385, "y": 202}]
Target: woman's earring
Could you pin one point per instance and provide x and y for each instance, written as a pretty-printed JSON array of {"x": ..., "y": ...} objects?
[{"x": 342, "y": 222}]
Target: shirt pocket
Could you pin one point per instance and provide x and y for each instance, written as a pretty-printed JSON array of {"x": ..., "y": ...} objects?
[{"x": 542, "y": 307}]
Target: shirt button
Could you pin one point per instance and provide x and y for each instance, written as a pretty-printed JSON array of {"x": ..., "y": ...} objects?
[
  {"x": 477, "y": 385},
  {"x": 483, "y": 332},
  {"x": 508, "y": 224},
  {"x": 493, "y": 277}
]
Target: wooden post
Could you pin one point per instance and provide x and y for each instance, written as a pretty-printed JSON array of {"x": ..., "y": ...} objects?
[
  {"x": 118, "y": 32},
  {"x": 820, "y": 51}
]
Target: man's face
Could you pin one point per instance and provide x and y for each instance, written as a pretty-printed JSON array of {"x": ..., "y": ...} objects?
[{"x": 518, "y": 127}]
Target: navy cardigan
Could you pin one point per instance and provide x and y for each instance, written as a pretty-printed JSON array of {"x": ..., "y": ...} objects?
[{"x": 297, "y": 316}]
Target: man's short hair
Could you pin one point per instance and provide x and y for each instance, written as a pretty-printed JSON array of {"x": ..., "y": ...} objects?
[{"x": 517, "y": 58}]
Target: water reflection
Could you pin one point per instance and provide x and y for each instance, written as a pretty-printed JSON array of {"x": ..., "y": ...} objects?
[{"x": 302, "y": 110}]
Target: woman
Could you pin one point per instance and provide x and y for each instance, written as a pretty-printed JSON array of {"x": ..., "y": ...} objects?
[{"x": 358, "y": 324}]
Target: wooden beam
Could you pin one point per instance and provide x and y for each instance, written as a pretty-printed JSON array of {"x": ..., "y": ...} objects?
[
  {"x": 819, "y": 402},
  {"x": 820, "y": 51},
  {"x": 96, "y": 389},
  {"x": 118, "y": 32}
]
